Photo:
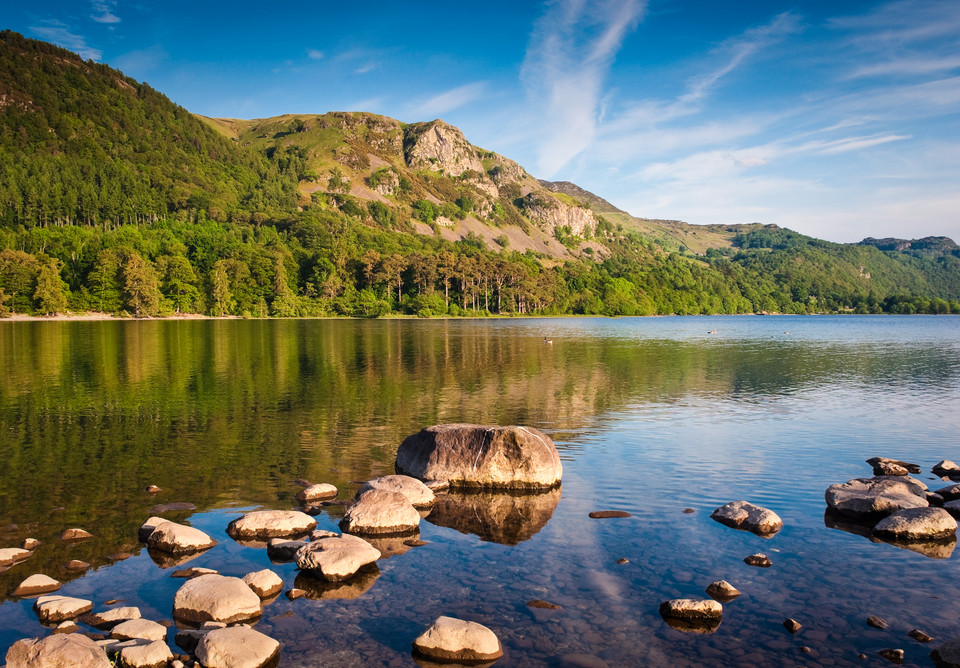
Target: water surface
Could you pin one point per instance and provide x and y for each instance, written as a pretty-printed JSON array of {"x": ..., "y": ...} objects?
[{"x": 651, "y": 416}]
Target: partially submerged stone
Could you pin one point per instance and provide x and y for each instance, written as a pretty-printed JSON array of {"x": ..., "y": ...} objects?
[
  {"x": 37, "y": 584},
  {"x": 60, "y": 650},
  {"x": 337, "y": 558},
  {"x": 216, "y": 598},
  {"x": 690, "y": 608},
  {"x": 946, "y": 468},
  {"x": 76, "y": 565},
  {"x": 417, "y": 493},
  {"x": 30, "y": 544},
  {"x": 265, "y": 524},
  {"x": 110, "y": 618},
  {"x": 759, "y": 559},
  {"x": 947, "y": 655},
  {"x": 876, "y": 497},
  {"x": 236, "y": 647},
  {"x": 749, "y": 517},
  {"x": 175, "y": 538},
  {"x": 451, "y": 639},
  {"x": 317, "y": 492},
  {"x": 148, "y": 527},
  {"x": 154, "y": 654},
  {"x": 13, "y": 555},
  {"x": 607, "y": 514},
  {"x": 893, "y": 655},
  {"x": 264, "y": 583},
  {"x": 919, "y": 635},
  {"x": 792, "y": 625},
  {"x": 880, "y": 464},
  {"x": 75, "y": 534},
  {"x": 172, "y": 507},
  {"x": 476, "y": 456},
  {"x": 917, "y": 524},
  {"x": 282, "y": 550},
  {"x": 380, "y": 512},
  {"x": 139, "y": 628},
  {"x": 722, "y": 591},
  {"x": 55, "y": 608},
  {"x": 878, "y": 622},
  {"x": 193, "y": 572}
]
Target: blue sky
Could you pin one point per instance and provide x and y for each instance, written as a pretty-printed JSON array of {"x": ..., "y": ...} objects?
[{"x": 839, "y": 123}]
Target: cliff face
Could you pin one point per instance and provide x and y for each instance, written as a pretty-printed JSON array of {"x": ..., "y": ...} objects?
[
  {"x": 439, "y": 147},
  {"x": 549, "y": 214}
]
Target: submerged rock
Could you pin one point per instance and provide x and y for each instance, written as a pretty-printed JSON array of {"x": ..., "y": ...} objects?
[
  {"x": 236, "y": 647},
  {"x": 265, "y": 524},
  {"x": 216, "y": 598},
  {"x": 75, "y": 534},
  {"x": 475, "y": 456},
  {"x": 606, "y": 514},
  {"x": 55, "y": 608},
  {"x": 722, "y": 591},
  {"x": 172, "y": 507},
  {"x": 746, "y": 516},
  {"x": 878, "y": 623},
  {"x": 892, "y": 655},
  {"x": 337, "y": 558},
  {"x": 69, "y": 650},
  {"x": 416, "y": 492},
  {"x": 917, "y": 524},
  {"x": 876, "y": 497},
  {"x": 381, "y": 512},
  {"x": 37, "y": 584},
  {"x": 919, "y": 635},
  {"x": 317, "y": 492},
  {"x": 451, "y": 639},
  {"x": 176, "y": 538}
]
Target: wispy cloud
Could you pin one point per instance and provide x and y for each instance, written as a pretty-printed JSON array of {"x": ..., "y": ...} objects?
[
  {"x": 908, "y": 67},
  {"x": 315, "y": 54},
  {"x": 60, "y": 33},
  {"x": 568, "y": 57},
  {"x": 449, "y": 100},
  {"x": 103, "y": 11}
]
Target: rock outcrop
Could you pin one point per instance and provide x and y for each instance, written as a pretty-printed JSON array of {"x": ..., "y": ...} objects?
[
  {"x": 550, "y": 213},
  {"x": 439, "y": 147},
  {"x": 748, "y": 517},
  {"x": 475, "y": 456}
]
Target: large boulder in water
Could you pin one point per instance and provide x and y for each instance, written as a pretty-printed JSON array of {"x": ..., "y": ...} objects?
[
  {"x": 379, "y": 512},
  {"x": 216, "y": 598},
  {"x": 476, "y": 456},
  {"x": 746, "y": 516},
  {"x": 265, "y": 524},
  {"x": 176, "y": 539},
  {"x": 67, "y": 651},
  {"x": 450, "y": 639},
  {"x": 236, "y": 647},
  {"x": 876, "y": 497},
  {"x": 336, "y": 558},
  {"x": 917, "y": 524}
]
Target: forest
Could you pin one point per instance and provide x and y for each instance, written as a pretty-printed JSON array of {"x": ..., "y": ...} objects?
[{"x": 114, "y": 199}]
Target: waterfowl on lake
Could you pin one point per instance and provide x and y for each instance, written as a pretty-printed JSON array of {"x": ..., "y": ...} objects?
[
  {"x": 713, "y": 331},
  {"x": 546, "y": 340}
]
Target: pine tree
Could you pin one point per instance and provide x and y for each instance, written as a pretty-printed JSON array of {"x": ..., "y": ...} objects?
[
  {"x": 140, "y": 286},
  {"x": 50, "y": 294}
]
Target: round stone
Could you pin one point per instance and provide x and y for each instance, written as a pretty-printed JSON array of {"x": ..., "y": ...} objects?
[
  {"x": 451, "y": 639},
  {"x": 271, "y": 524},
  {"x": 216, "y": 598}
]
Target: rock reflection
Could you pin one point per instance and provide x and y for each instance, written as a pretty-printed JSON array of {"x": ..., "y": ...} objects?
[
  {"x": 390, "y": 546},
  {"x": 320, "y": 589},
  {"x": 167, "y": 560},
  {"x": 934, "y": 549},
  {"x": 702, "y": 626},
  {"x": 498, "y": 517}
]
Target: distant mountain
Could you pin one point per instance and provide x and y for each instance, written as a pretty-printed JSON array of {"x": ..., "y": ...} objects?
[{"x": 114, "y": 198}]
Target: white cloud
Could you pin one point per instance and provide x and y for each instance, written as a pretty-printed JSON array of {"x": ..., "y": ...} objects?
[
  {"x": 60, "y": 33},
  {"x": 315, "y": 54},
  {"x": 908, "y": 67},
  {"x": 103, "y": 11},
  {"x": 449, "y": 100}
]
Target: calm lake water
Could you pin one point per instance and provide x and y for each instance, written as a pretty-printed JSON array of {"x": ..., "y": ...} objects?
[{"x": 651, "y": 416}]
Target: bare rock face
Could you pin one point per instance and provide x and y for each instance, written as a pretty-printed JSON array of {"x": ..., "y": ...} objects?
[
  {"x": 13, "y": 555},
  {"x": 176, "y": 538},
  {"x": 476, "y": 456},
  {"x": 416, "y": 492},
  {"x": 154, "y": 654},
  {"x": 264, "y": 583},
  {"x": 271, "y": 524},
  {"x": 37, "y": 584},
  {"x": 439, "y": 147},
  {"x": 216, "y": 598},
  {"x": 378, "y": 512},
  {"x": 550, "y": 213},
  {"x": 746, "y": 516},
  {"x": 917, "y": 524},
  {"x": 508, "y": 517},
  {"x": 451, "y": 639},
  {"x": 236, "y": 647},
  {"x": 876, "y": 497},
  {"x": 338, "y": 558},
  {"x": 317, "y": 492},
  {"x": 57, "y": 651},
  {"x": 55, "y": 608}
]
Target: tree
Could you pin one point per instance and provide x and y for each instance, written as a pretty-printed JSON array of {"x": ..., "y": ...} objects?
[
  {"x": 284, "y": 304},
  {"x": 220, "y": 289},
  {"x": 141, "y": 289},
  {"x": 18, "y": 275},
  {"x": 179, "y": 282},
  {"x": 105, "y": 280},
  {"x": 51, "y": 290}
]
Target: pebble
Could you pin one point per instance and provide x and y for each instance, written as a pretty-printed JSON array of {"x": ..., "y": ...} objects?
[
  {"x": 624, "y": 560},
  {"x": 892, "y": 655},
  {"x": 919, "y": 635},
  {"x": 30, "y": 544},
  {"x": 792, "y": 625},
  {"x": 759, "y": 559},
  {"x": 75, "y": 534},
  {"x": 688, "y": 511}
]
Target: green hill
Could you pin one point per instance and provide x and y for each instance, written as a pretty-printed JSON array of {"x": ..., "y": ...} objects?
[{"x": 113, "y": 198}]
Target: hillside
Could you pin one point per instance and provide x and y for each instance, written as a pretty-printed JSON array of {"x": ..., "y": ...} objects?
[{"x": 113, "y": 198}]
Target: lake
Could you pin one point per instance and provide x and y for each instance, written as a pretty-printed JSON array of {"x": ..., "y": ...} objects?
[{"x": 650, "y": 415}]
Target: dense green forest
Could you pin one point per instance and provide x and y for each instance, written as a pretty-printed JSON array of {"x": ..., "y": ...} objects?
[{"x": 115, "y": 199}]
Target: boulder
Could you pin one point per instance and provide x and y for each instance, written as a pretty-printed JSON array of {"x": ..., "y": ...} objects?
[
  {"x": 30, "y": 544},
  {"x": 881, "y": 463},
  {"x": 57, "y": 651},
  {"x": 416, "y": 492},
  {"x": 451, "y": 639},
  {"x": 950, "y": 492},
  {"x": 691, "y": 609},
  {"x": 917, "y": 524},
  {"x": 746, "y": 516},
  {"x": 317, "y": 492},
  {"x": 953, "y": 507},
  {"x": 722, "y": 591},
  {"x": 110, "y": 618},
  {"x": 75, "y": 534},
  {"x": 264, "y": 583},
  {"x": 475, "y": 456},
  {"x": 876, "y": 497},
  {"x": 216, "y": 598},
  {"x": 37, "y": 584},
  {"x": 265, "y": 524},
  {"x": 144, "y": 629},
  {"x": 148, "y": 527},
  {"x": 338, "y": 558},
  {"x": 55, "y": 608},
  {"x": 946, "y": 655},
  {"x": 281, "y": 550},
  {"x": 179, "y": 539},
  {"x": 146, "y": 655},
  {"x": 380, "y": 512},
  {"x": 13, "y": 555},
  {"x": 946, "y": 468},
  {"x": 236, "y": 647}
]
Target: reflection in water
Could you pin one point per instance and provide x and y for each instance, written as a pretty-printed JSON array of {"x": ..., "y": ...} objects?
[
  {"x": 321, "y": 589},
  {"x": 701, "y": 626},
  {"x": 499, "y": 517},
  {"x": 935, "y": 549}
]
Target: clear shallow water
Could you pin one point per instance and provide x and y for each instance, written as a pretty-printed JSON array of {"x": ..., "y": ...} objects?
[{"x": 650, "y": 415}]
